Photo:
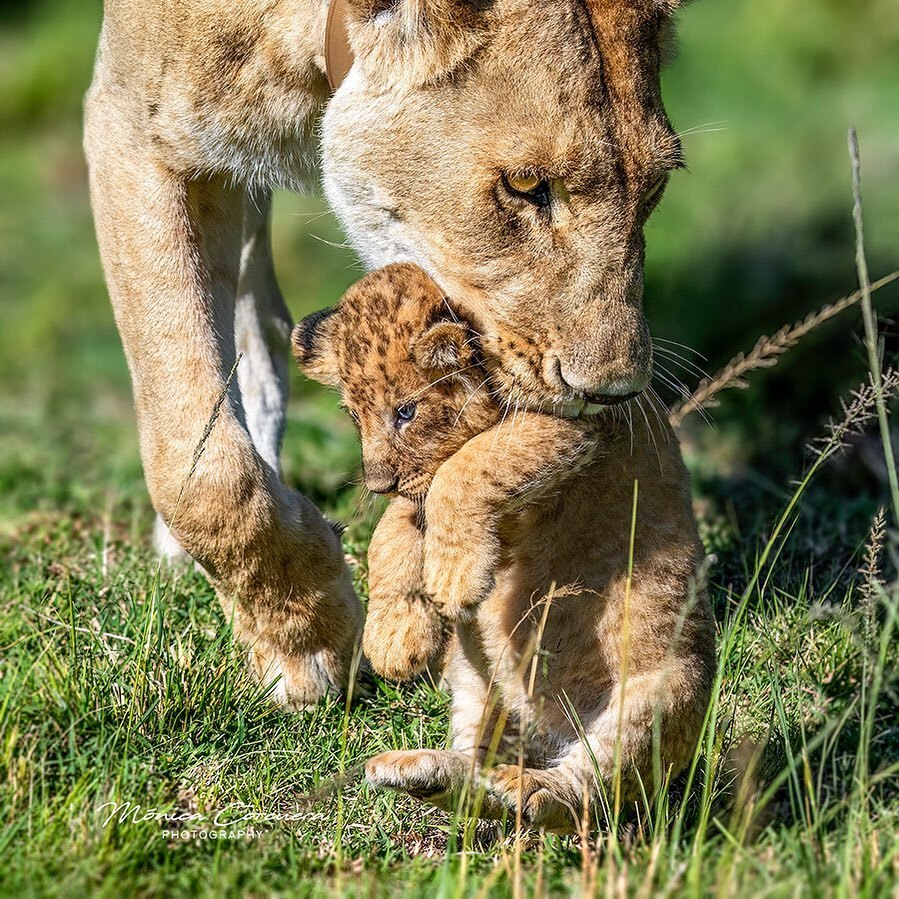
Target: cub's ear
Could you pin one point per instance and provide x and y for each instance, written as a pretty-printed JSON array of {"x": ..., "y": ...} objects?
[
  {"x": 444, "y": 348},
  {"x": 314, "y": 346},
  {"x": 415, "y": 41}
]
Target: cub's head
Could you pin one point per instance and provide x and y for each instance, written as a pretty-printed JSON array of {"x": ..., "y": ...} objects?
[
  {"x": 514, "y": 149},
  {"x": 408, "y": 373}
]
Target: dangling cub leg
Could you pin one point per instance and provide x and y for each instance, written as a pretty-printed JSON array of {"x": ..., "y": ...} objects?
[
  {"x": 404, "y": 633},
  {"x": 442, "y": 778}
]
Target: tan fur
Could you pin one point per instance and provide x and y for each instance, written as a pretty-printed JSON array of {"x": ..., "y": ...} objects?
[
  {"x": 199, "y": 108},
  {"x": 419, "y": 137},
  {"x": 517, "y": 528}
]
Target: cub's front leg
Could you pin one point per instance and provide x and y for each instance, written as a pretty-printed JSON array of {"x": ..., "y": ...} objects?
[
  {"x": 504, "y": 468},
  {"x": 403, "y": 630}
]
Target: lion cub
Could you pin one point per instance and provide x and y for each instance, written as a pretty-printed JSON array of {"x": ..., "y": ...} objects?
[{"x": 580, "y": 642}]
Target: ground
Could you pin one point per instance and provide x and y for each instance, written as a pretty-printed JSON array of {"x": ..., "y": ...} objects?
[{"x": 119, "y": 680}]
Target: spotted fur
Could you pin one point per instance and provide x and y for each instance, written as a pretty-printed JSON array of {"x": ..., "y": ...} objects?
[{"x": 392, "y": 342}]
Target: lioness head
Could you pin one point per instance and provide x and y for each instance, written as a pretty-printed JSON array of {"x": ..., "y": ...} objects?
[
  {"x": 408, "y": 373},
  {"x": 514, "y": 149}
]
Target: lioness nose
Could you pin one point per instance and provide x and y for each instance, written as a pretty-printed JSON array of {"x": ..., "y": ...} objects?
[
  {"x": 600, "y": 389},
  {"x": 607, "y": 361},
  {"x": 599, "y": 379}
]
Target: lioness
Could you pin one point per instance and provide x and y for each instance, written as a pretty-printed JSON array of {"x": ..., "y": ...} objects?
[
  {"x": 579, "y": 637},
  {"x": 513, "y": 149}
]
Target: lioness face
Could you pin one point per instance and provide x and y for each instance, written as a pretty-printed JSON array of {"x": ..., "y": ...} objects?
[
  {"x": 515, "y": 151},
  {"x": 408, "y": 373}
]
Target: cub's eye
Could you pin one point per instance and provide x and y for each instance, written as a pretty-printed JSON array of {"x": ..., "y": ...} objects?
[
  {"x": 405, "y": 413},
  {"x": 529, "y": 187}
]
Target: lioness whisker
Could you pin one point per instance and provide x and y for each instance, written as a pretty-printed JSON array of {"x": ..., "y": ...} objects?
[
  {"x": 682, "y": 362},
  {"x": 649, "y": 429},
  {"x": 452, "y": 374},
  {"x": 630, "y": 423},
  {"x": 681, "y": 391},
  {"x": 659, "y": 408},
  {"x": 330, "y": 243},
  {"x": 503, "y": 418},
  {"x": 683, "y": 346},
  {"x": 467, "y": 401},
  {"x": 704, "y": 128},
  {"x": 671, "y": 379}
]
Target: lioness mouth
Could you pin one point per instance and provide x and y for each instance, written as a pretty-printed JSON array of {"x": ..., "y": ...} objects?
[{"x": 609, "y": 399}]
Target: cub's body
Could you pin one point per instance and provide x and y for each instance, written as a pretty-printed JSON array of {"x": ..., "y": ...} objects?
[
  {"x": 571, "y": 548},
  {"x": 564, "y": 553}
]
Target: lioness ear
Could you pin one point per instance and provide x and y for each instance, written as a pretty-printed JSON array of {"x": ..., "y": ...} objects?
[
  {"x": 313, "y": 342},
  {"x": 415, "y": 41},
  {"x": 444, "y": 348}
]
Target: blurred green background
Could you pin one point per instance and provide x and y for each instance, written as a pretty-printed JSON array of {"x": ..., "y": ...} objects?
[{"x": 756, "y": 234}]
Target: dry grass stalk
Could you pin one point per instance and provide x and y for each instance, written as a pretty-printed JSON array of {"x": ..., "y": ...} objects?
[
  {"x": 872, "y": 343},
  {"x": 765, "y": 354},
  {"x": 872, "y": 580},
  {"x": 856, "y": 414},
  {"x": 198, "y": 452}
]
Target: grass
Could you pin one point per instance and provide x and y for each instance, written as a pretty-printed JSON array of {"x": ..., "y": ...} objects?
[{"x": 120, "y": 682}]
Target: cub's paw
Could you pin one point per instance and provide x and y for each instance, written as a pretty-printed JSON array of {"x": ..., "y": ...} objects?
[
  {"x": 457, "y": 581},
  {"x": 431, "y": 775},
  {"x": 402, "y": 636},
  {"x": 544, "y": 798}
]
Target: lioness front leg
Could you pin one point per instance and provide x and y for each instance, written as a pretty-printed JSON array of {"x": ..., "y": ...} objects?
[
  {"x": 505, "y": 467},
  {"x": 171, "y": 248},
  {"x": 403, "y": 631},
  {"x": 262, "y": 334}
]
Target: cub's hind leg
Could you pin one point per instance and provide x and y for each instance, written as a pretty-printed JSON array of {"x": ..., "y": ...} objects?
[
  {"x": 647, "y": 730},
  {"x": 446, "y": 778},
  {"x": 549, "y": 798},
  {"x": 439, "y": 777},
  {"x": 435, "y": 776}
]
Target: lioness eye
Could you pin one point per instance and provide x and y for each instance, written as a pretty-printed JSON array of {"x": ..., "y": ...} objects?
[
  {"x": 529, "y": 187},
  {"x": 656, "y": 188},
  {"x": 405, "y": 413}
]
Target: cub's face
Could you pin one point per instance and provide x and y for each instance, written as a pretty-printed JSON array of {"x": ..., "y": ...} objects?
[
  {"x": 408, "y": 374},
  {"x": 514, "y": 149}
]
